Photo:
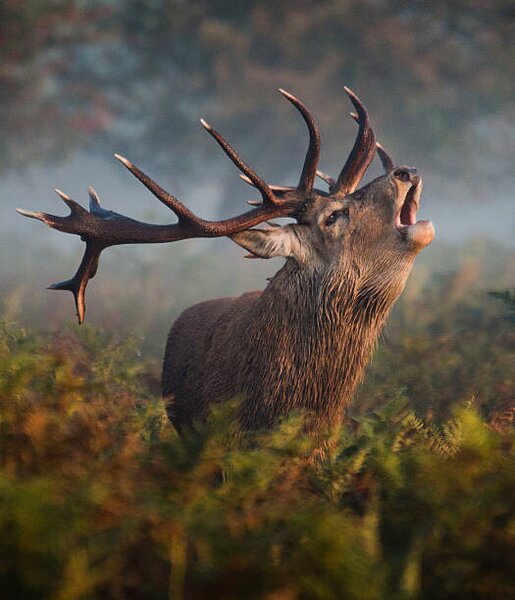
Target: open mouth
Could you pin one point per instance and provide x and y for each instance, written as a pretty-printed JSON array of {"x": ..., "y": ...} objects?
[
  {"x": 406, "y": 214},
  {"x": 416, "y": 234}
]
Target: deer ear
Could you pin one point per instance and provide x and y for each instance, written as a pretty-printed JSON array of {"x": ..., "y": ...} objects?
[{"x": 269, "y": 243}]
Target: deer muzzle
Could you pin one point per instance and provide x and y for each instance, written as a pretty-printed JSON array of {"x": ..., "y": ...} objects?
[{"x": 416, "y": 234}]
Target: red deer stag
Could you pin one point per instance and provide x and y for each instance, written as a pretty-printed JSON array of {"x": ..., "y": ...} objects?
[{"x": 303, "y": 342}]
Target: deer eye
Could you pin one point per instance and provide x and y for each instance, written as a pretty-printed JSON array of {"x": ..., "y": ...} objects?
[{"x": 333, "y": 217}]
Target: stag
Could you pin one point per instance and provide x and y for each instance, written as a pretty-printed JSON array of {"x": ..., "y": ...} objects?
[{"x": 304, "y": 341}]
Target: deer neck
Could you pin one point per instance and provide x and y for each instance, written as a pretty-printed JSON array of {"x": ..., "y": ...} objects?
[{"x": 324, "y": 327}]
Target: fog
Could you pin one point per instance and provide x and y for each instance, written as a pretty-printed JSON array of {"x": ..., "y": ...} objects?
[{"x": 456, "y": 219}]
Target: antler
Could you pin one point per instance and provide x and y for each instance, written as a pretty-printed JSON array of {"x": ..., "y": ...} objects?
[
  {"x": 101, "y": 228},
  {"x": 304, "y": 188},
  {"x": 361, "y": 154},
  {"x": 307, "y": 178},
  {"x": 386, "y": 159},
  {"x": 359, "y": 159}
]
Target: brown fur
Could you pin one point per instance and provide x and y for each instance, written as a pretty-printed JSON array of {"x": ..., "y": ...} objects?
[{"x": 302, "y": 343}]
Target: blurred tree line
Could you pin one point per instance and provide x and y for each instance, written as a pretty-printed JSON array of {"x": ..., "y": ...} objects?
[{"x": 438, "y": 79}]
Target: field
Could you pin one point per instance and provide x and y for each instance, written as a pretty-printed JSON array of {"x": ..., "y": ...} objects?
[{"x": 100, "y": 499}]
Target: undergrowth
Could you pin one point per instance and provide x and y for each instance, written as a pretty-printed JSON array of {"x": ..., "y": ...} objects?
[{"x": 99, "y": 498}]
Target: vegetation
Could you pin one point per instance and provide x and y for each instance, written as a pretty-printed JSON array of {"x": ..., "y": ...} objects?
[{"x": 100, "y": 499}]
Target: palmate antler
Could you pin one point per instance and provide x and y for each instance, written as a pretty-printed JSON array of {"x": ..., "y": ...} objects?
[{"x": 100, "y": 228}]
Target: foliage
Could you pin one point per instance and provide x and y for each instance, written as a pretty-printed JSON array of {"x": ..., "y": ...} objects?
[
  {"x": 100, "y": 499},
  {"x": 509, "y": 299},
  {"x": 437, "y": 77}
]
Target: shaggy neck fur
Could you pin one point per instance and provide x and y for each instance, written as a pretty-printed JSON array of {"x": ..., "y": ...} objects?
[{"x": 312, "y": 336}]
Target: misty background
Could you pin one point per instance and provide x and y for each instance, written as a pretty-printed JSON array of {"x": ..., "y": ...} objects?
[{"x": 82, "y": 80}]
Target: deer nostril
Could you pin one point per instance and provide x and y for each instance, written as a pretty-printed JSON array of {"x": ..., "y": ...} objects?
[{"x": 403, "y": 175}]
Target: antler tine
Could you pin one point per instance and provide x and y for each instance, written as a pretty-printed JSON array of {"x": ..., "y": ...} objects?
[
  {"x": 33, "y": 214},
  {"x": 86, "y": 271},
  {"x": 75, "y": 207},
  {"x": 161, "y": 194},
  {"x": 307, "y": 178},
  {"x": 274, "y": 188},
  {"x": 327, "y": 178},
  {"x": 94, "y": 205},
  {"x": 266, "y": 192},
  {"x": 280, "y": 191},
  {"x": 362, "y": 152},
  {"x": 386, "y": 159}
]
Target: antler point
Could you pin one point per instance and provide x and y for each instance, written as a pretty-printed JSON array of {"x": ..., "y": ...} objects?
[
  {"x": 24, "y": 212},
  {"x": 31, "y": 214},
  {"x": 246, "y": 179},
  {"x": 354, "y": 98},
  {"x": 94, "y": 201},
  {"x": 62, "y": 195},
  {"x": 206, "y": 125},
  {"x": 294, "y": 100},
  {"x": 123, "y": 160},
  {"x": 93, "y": 194}
]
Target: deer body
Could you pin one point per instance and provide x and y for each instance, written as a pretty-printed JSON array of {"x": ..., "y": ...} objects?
[
  {"x": 302, "y": 343},
  {"x": 308, "y": 354}
]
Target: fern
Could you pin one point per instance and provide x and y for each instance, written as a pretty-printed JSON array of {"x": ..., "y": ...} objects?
[{"x": 99, "y": 496}]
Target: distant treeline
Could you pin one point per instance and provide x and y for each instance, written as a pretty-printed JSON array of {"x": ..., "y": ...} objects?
[{"x": 438, "y": 79}]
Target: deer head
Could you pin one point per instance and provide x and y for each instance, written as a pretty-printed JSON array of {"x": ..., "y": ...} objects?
[
  {"x": 362, "y": 231},
  {"x": 371, "y": 231},
  {"x": 365, "y": 238}
]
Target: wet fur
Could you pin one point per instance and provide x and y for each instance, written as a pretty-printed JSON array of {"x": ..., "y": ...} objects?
[{"x": 303, "y": 343}]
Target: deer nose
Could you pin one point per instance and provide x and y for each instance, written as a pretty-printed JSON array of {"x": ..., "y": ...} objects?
[{"x": 407, "y": 174}]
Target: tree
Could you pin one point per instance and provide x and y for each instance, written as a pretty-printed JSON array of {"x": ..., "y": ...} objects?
[{"x": 436, "y": 77}]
